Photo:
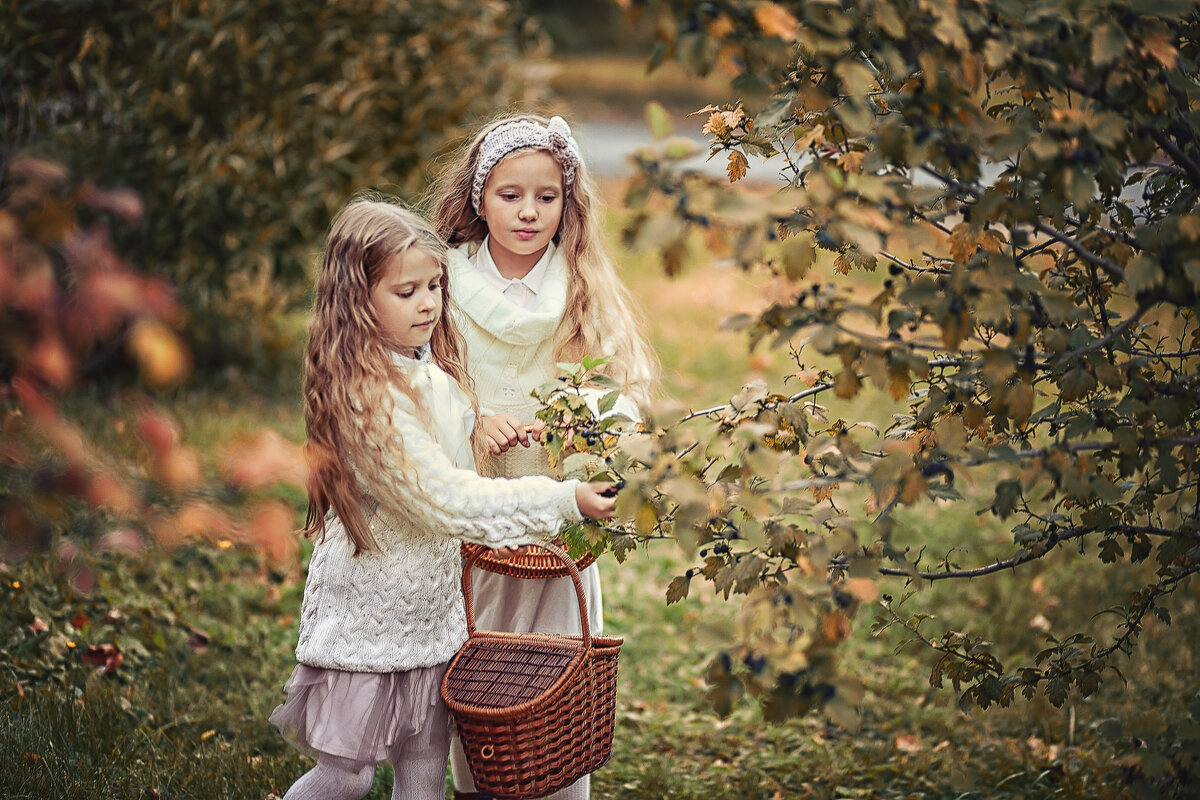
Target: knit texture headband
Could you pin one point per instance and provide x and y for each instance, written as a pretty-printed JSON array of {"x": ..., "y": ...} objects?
[{"x": 555, "y": 137}]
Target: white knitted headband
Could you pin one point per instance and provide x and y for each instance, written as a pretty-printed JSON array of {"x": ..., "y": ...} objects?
[{"x": 555, "y": 137}]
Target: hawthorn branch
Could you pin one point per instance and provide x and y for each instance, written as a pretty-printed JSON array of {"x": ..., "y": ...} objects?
[
  {"x": 1055, "y": 539},
  {"x": 911, "y": 267},
  {"x": 1159, "y": 136},
  {"x": 1107, "y": 338},
  {"x": 1078, "y": 447},
  {"x": 1175, "y": 152},
  {"x": 1109, "y": 267},
  {"x": 1134, "y": 624},
  {"x": 816, "y": 389}
]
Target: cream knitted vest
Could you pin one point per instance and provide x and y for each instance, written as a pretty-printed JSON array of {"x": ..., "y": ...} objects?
[{"x": 510, "y": 350}]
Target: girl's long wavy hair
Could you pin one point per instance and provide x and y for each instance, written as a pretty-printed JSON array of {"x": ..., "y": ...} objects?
[
  {"x": 349, "y": 370},
  {"x": 601, "y": 317}
]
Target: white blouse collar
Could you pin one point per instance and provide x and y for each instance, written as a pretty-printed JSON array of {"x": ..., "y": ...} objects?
[{"x": 533, "y": 280}]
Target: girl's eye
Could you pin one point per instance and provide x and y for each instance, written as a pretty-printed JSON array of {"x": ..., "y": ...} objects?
[
  {"x": 435, "y": 286},
  {"x": 508, "y": 195},
  {"x": 549, "y": 198},
  {"x": 406, "y": 293}
]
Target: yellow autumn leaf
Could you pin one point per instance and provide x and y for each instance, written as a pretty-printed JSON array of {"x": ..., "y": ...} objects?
[
  {"x": 737, "y": 166},
  {"x": 161, "y": 356},
  {"x": 658, "y": 120},
  {"x": 1020, "y": 402}
]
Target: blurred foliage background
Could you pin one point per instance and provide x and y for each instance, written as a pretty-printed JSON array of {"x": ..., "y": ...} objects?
[{"x": 244, "y": 125}]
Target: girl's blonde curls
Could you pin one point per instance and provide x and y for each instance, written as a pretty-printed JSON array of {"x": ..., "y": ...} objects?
[{"x": 350, "y": 372}]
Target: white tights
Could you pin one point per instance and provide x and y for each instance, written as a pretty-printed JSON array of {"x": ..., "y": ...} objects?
[
  {"x": 579, "y": 790},
  {"x": 342, "y": 779}
]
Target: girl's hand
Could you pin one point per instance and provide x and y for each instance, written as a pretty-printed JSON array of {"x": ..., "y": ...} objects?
[
  {"x": 596, "y": 500},
  {"x": 507, "y": 553},
  {"x": 502, "y": 431}
]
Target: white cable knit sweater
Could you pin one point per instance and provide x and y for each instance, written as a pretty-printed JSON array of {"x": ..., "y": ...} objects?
[{"x": 401, "y": 607}]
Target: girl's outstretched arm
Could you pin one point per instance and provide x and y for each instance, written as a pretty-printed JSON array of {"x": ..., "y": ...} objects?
[{"x": 496, "y": 512}]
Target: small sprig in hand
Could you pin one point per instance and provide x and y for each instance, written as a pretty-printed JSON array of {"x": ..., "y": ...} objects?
[{"x": 582, "y": 420}]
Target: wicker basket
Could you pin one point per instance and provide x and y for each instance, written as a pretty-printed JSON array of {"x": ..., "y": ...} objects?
[
  {"x": 529, "y": 564},
  {"x": 534, "y": 711}
]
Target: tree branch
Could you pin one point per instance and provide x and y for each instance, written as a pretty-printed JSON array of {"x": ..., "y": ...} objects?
[
  {"x": 1078, "y": 447},
  {"x": 817, "y": 389},
  {"x": 1056, "y": 538},
  {"x": 1106, "y": 339},
  {"x": 1109, "y": 267},
  {"x": 1170, "y": 148}
]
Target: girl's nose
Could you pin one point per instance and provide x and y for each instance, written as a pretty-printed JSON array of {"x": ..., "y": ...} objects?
[{"x": 528, "y": 211}]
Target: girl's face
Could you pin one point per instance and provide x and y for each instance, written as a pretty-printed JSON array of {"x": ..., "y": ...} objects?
[
  {"x": 522, "y": 205},
  {"x": 408, "y": 299}
]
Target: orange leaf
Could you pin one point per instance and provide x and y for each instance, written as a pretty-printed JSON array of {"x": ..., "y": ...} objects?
[
  {"x": 737, "y": 166},
  {"x": 835, "y": 627},
  {"x": 273, "y": 529},
  {"x": 863, "y": 589},
  {"x": 846, "y": 384},
  {"x": 775, "y": 20},
  {"x": 51, "y": 360},
  {"x": 1158, "y": 45},
  {"x": 265, "y": 460}
]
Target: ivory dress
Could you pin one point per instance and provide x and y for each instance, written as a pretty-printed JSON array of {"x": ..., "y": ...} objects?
[{"x": 510, "y": 352}]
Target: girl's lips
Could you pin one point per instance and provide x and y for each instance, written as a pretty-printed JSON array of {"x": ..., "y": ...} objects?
[{"x": 525, "y": 234}]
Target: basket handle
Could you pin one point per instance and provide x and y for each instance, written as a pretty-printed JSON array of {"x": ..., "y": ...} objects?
[{"x": 554, "y": 550}]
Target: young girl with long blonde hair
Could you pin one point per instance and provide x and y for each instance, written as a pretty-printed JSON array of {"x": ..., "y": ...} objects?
[
  {"x": 534, "y": 287},
  {"x": 389, "y": 416}
]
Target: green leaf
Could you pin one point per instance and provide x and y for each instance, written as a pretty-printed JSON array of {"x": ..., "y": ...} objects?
[
  {"x": 777, "y": 109},
  {"x": 1007, "y": 493},
  {"x": 591, "y": 362},
  {"x": 1110, "y": 550},
  {"x": 1109, "y": 43},
  {"x": 608, "y": 401},
  {"x": 658, "y": 120},
  {"x": 1076, "y": 384},
  {"x": 1142, "y": 274},
  {"x": 604, "y": 382}
]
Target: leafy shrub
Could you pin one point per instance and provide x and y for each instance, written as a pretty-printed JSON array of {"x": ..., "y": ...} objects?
[
  {"x": 1028, "y": 177},
  {"x": 244, "y": 125}
]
